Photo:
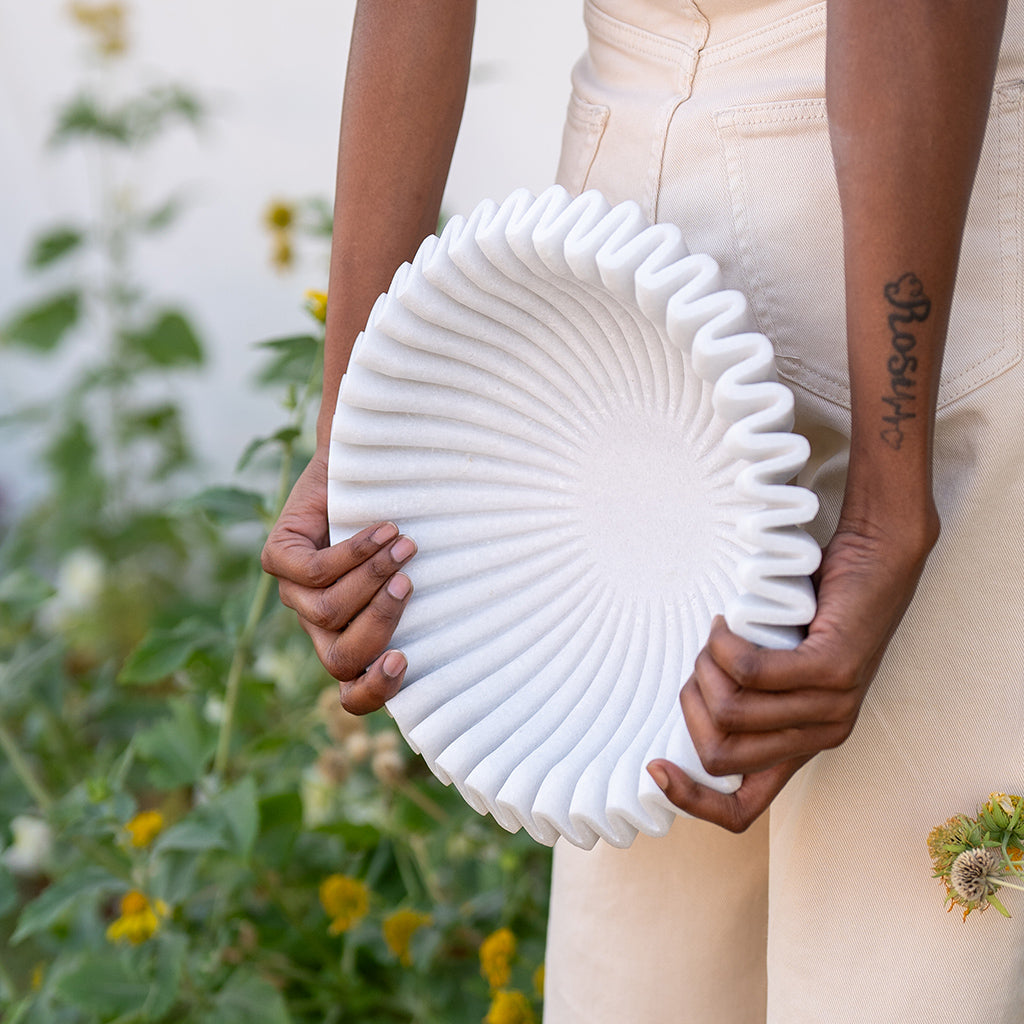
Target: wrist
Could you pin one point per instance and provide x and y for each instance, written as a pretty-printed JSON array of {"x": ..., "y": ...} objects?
[
  {"x": 904, "y": 520},
  {"x": 323, "y": 432}
]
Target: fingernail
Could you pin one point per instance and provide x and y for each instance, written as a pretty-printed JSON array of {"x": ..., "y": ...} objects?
[
  {"x": 384, "y": 533},
  {"x": 399, "y": 586},
  {"x": 659, "y": 775},
  {"x": 402, "y": 549},
  {"x": 394, "y": 664}
]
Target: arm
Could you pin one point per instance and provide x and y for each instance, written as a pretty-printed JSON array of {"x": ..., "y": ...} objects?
[
  {"x": 908, "y": 87},
  {"x": 404, "y": 92}
]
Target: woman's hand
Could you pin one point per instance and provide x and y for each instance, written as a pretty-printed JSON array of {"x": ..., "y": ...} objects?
[
  {"x": 348, "y": 596},
  {"x": 764, "y": 713}
]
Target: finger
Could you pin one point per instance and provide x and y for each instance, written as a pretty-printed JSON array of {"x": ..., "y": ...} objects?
[
  {"x": 291, "y": 555},
  {"x": 335, "y": 606},
  {"x": 811, "y": 665},
  {"x": 346, "y": 654},
  {"x": 744, "y": 753},
  {"x": 733, "y": 811},
  {"x": 377, "y": 685},
  {"x": 733, "y": 709}
]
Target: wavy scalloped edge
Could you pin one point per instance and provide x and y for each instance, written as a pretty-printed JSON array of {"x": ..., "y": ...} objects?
[{"x": 532, "y": 248}]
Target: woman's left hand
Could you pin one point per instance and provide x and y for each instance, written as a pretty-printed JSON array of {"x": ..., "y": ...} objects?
[{"x": 764, "y": 713}]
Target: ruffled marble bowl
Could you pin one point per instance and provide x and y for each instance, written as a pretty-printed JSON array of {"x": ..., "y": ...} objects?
[{"x": 585, "y": 436}]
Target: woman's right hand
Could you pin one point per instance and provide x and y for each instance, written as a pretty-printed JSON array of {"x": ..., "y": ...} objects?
[{"x": 348, "y": 596}]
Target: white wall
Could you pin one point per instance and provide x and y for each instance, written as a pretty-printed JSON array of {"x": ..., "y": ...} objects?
[{"x": 272, "y": 74}]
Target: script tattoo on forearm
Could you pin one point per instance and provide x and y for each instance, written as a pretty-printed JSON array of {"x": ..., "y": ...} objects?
[{"x": 910, "y": 306}]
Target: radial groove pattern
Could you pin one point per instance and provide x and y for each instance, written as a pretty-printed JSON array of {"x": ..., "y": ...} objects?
[{"x": 585, "y": 435}]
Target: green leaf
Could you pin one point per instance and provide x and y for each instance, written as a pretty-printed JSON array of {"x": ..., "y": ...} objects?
[
  {"x": 83, "y": 116},
  {"x": 998, "y": 905},
  {"x": 42, "y": 326},
  {"x": 241, "y": 813},
  {"x": 280, "y": 826},
  {"x": 246, "y": 997},
  {"x": 21, "y": 593},
  {"x": 194, "y": 834},
  {"x": 60, "y": 898},
  {"x": 135, "y": 122},
  {"x": 229, "y": 505},
  {"x": 163, "y": 651},
  {"x": 104, "y": 983},
  {"x": 73, "y": 458},
  {"x": 356, "y": 836},
  {"x": 161, "y": 425},
  {"x": 170, "y": 959},
  {"x": 8, "y": 891},
  {"x": 168, "y": 341},
  {"x": 292, "y": 362},
  {"x": 153, "y": 112},
  {"x": 163, "y": 215},
  {"x": 174, "y": 874},
  {"x": 177, "y": 748},
  {"x": 56, "y": 243},
  {"x": 151, "y": 420},
  {"x": 285, "y": 436}
]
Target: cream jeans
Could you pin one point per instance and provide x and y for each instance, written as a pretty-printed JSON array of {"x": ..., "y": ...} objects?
[{"x": 712, "y": 115}]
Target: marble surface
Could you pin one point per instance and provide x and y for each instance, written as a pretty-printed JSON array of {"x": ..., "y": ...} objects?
[{"x": 584, "y": 434}]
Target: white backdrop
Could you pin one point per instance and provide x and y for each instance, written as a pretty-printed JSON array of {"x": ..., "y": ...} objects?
[{"x": 271, "y": 74}]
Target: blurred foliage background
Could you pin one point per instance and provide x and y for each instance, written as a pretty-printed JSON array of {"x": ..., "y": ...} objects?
[{"x": 192, "y": 828}]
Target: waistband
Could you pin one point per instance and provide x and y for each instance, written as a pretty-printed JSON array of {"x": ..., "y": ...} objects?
[
  {"x": 691, "y": 24},
  {"x": 674, "y": 35},
  {"x": 658, "y": 44}
]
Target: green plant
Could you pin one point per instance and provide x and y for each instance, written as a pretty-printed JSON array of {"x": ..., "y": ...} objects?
[{"x": 194, "y": 829}]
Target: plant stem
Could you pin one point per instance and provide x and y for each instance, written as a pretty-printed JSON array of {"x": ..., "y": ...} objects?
[
  {"x": 24, "y": 770},
  {"x": 244, "y": 646},
  {"x": 234, "y": 680},
  {"x": 418, "y": 847},
  {"x": 422, "y": 801},
  {"x": 1002, "y": 881},
  {"x": 7, "y": 982}
]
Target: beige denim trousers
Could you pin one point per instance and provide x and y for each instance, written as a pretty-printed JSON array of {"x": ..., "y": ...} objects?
[{"x": 712, "y": 115}]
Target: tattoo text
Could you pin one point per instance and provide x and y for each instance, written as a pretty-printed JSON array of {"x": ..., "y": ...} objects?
[{"x": 910, "y": 305}]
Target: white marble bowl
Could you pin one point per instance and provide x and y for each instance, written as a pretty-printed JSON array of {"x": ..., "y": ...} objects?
[{"x": 584, "y": 435}]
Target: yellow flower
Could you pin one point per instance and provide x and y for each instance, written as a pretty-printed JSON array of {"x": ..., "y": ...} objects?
[
  {"x": 538, "y": 981},
  {"x": 496, "y": 953},
  {"x": 106, "y": 21},
  {"x": 144, "y": 828},
  {"x": 38, "y": 974},
  {"x": 346, "y": 901},
  {"x": 316, "y": 303},
  {"x": 283, "y": 255},
  {"x": 509, "y": 1006},
  {"x": 279, "y": 215},
  {"x": 399, "y": 928},
  {"x": 139, "y": 918}
]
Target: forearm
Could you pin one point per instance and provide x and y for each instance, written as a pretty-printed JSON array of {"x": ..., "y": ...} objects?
[
  {"x": 908, "y": 88},
  {"x": 404, "y": 93}
]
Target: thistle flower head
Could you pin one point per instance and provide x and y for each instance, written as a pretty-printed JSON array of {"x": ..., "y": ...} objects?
[
  {"x": 975, "y": 857},
  {"x": 971, "y": 873}
]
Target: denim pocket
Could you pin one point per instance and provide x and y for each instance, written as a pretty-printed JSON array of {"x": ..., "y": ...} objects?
[{"x": 785, "y": 208}]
